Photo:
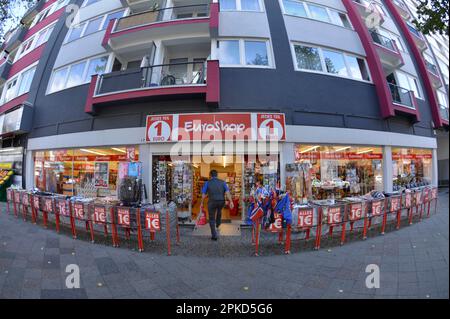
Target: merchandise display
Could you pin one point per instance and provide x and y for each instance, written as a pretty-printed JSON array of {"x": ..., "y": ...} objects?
[
  {"x": 298, "y": 182},
  {"x": 341, "y": 171},
  {"x": 411, "y": 167}
]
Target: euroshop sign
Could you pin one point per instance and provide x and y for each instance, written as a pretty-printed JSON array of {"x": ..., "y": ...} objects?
[{"x": 216, "y": 127}]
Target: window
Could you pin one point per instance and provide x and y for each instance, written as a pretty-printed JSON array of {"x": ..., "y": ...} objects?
[
  {"x": 58, "y": 81},
  {"x": 75, "y": 32},
  {"x": 442, "y": 98},
  {"x": 308, "y": 58},
  {"x": 408, "y": 82},
  {"x": 411, "y": 167},
  {"x": 89, "y": 2},
  {"x": 96, "y": 66},
  {"x": 295, "y": 8},
  {"x": 335, "y": 63},
  {"x": 229, "y": 52},
  {"x": 256, "y": 53},
  {"x": 316, "y": 12},
  {"x": 252, "y": 53},
  {"x": 77, "y": 73},
  {"x": 18, "y": 86},
  {"x": 34, "y": 42},
  {"x": 93, "y": 26},
  {"x": 111, "y": 16},
  {"x": 316, "y": 59},
  {"x": 240, "y": 5},
  {"x": 25, "y": 83}
]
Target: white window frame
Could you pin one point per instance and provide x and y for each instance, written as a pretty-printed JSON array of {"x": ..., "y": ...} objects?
[
  {"x": 239, "y": 7},
  {"x": 411, "y": 78},
  {"x": 242, "y": 63},
  {"x": 20, "y": 53},
  {"x": 17, "y": 77},
  {"x": 85, "y": 70},
  {"x": 51, "y": 9},
  {"x": 309, "y": 16},
  {"x": 86, "y": 22},
  {"x": 86, "y": 5},
  {"x": 323, "y": 63},
  {"x": 445, "y": 98}
]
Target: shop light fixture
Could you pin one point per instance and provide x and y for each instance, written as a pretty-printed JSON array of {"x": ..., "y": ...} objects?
[
  {"x": 365, "y": 151},
  {"x": 343, "y": 149},
  {"x": 118, "y": 150},
  {"x": 92, "y": 152},
  {"x": 309, "y": 149}
]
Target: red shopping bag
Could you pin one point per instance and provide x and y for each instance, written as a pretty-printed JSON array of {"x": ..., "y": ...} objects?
[{"x": 202, "y": 219}]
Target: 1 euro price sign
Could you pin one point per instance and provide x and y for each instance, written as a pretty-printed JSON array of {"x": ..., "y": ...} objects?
[
  {"x": 356, "y": 212},
  {"x": 334, "y": 215},
  {"x": 123, "y": 216},
  {"x": 153, "y": 221},
  {"x": 305, "y": 218}
]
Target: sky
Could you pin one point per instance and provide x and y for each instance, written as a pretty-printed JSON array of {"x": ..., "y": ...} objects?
[{"x": 18, "y": 9}]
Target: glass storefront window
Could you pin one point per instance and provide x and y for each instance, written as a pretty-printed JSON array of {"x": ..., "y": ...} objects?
[
  {"x": 88, "y": 172},
  {"x": 338, "y": 171},
  {"x": 411, "y": 167}
]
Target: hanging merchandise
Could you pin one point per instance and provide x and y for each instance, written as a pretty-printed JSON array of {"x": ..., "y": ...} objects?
[
  {"x": 298, "y": 182},
  {"x": 130, "y": 183},
  {"x": 182, "y": 186}
]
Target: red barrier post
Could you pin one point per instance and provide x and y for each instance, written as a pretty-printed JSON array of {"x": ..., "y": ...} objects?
[
  {"x": 24, "y": 206},
  {"x": 344, "y": 222},
  {"x": 319, "y": 230},
  {"x": 287, "y": 247},
  {"x": 115, "y": 238},
  {"x": 91, "y": 223},
  {"x": 56, "y": 215},
  {"x": 138, "y": 221}
]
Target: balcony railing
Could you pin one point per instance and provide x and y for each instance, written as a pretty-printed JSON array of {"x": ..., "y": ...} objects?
[
  {"x": 444, "y": 112},
  {"x": 165, "y": 75},
  {"x": 432, "y": 68},
  {"x": 163, "y": 15},
  {"x": 402, "y": 96},
  {"x": 383, "y": 41}
]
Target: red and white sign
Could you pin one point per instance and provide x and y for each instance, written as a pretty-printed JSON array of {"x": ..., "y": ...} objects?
[
  {"x": 408, "y": 200},
  {"x": 305, "y": 218},
  {"x": 123, "y": 216},
  {"x": 434, "y": 193},
  {"x": 36, "y": 203},
  {"x": 418, "y": 198},
  {"x": 9, "y": 195},
  {"x": 159, "y": 128},
  {"x": 271, "y": 127},
  {"x": 376, "y": 208},
  {"x": 48, "y": 205},
  {"x": 395, "y": 204},
  {"x": 153, "y": 221},
  {"x": 278, "y": 224},
  {"x": 63, "y": 209},
  {"x": 356, "y": 212},
  {"x": 337, "y": 156},
  {"x": 334, "y": 215},
  {"x": 215, "y": 126},
  {"x": 79, "y": 211},
  {"x": 131, "y": 153},
  {"x": 99, "y": 215}
]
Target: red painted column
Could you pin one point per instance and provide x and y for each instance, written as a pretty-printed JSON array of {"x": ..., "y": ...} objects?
[
  {"x": 373, "y": 60},
  {"x": 432, "y": 99}
]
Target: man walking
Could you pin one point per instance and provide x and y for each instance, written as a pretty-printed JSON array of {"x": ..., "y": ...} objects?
[{"x": 216, "y": 190}]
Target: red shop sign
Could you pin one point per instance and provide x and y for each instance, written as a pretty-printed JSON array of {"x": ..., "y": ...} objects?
[
  {"x": 305, "y": 218},
  {"x": 334, "y": 215},
  {"x": 99, "y": 215},
  {"x": 215, "y": 126},
  {"x": 395, "y": 204},
  {"x": 123, "y": 216},
  {"x": 36, "y": 202},
  {"x": 48, "y": 205},
  {"x": 25, "y": 200},
  {"x": 153, "y": 221},
  {"x": 63, "y": 210}
]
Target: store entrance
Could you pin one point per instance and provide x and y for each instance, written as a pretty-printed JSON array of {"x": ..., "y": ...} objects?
[{"x": 180, "y": 183}]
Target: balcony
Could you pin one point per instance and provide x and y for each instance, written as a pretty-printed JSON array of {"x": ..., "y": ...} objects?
[
  {"x": 418, "y": 38},
  {"x": 5, "y": 66},
  {"x": 444, "y": 113},
  {"x": 31, "y": 13},
  {"x": 366, "y": 9},
  {"x": 388, "y": 52},
  {"x": 157, "y": 82},
  {"x": 402, "y": 9},
  {"x": 15, "y": 38},
  {"x": 404, "y": 101},
  {"x": 183, "y": 21},
  {"x": 433, "y": 75}
]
